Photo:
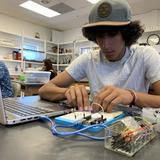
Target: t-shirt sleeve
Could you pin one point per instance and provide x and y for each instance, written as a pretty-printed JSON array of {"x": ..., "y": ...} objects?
[
  {"x": 152, "y": 64},
  {"x": 77, "y": 68}
]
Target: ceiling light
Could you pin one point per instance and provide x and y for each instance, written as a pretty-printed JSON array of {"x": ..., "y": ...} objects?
[
  {"x": 35, "y": 7},
  {"x": 93, "y": 1}
]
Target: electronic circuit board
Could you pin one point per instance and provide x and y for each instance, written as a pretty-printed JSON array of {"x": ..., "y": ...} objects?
[{"x": 84, "y": 119}]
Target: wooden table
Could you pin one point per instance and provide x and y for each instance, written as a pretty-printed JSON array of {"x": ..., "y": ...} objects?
[{"x": 29, "y": 89}]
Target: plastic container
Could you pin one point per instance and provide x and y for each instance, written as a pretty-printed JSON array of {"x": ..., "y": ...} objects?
[
  {"x": 127, "y": 136},
  {"x": 37, "y": 76},
  {"x": 152, "y": 115}
]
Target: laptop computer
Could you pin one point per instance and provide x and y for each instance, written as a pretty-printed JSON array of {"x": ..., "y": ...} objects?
[{"x": 25, "y": 109}]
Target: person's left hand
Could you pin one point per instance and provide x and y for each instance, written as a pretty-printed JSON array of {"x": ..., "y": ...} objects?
[{"x": 110, "y": 96}]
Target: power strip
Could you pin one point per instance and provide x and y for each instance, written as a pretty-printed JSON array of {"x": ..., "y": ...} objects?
[{"x": 84, "y": 119}]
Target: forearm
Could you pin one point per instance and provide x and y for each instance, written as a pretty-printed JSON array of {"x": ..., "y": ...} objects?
[
  {"x": 52, "y": 92},
  {"x": 147, "y": 100}
]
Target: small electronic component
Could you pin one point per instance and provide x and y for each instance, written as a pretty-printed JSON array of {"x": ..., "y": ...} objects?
[{"x": 129, "y": 135}]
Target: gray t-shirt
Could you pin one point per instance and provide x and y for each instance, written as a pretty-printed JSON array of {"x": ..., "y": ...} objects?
[{"x": 139, "y": 67}]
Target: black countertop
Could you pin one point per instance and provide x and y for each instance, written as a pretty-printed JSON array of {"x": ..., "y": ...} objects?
[{"x": 34, "y": 141}]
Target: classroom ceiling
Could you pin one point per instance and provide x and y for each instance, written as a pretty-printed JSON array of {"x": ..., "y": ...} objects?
[{"x": 74, "y": 12}]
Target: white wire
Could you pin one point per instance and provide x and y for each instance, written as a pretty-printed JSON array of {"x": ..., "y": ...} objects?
[{"x": 94, "y": 103}]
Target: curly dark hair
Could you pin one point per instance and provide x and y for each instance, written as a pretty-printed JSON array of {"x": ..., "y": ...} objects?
[
  {"x": 49, "y": 67},
  {"x": 130, "y": 32},
  {"x": 48, "y": 64}
]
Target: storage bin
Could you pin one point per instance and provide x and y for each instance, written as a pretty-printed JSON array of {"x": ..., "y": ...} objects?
[
  {"x": 37, "y": 76},
  {"x": 129, "y": 135}
]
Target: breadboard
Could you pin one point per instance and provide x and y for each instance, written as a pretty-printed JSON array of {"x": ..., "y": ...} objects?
[{"x": 84, "y": 119}]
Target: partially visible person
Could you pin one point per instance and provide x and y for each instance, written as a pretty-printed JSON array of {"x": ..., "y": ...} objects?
[
  {"x": 5, "y": 82},
  {"x": 120, "y": 73},
  {"x": 47, "y": 66}
]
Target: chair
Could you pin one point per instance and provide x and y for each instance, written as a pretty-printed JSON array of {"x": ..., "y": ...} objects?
[{"x": 16, "y": 89}]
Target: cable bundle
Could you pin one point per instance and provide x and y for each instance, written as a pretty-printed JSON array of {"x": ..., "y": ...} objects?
[{"x": 79, "y": 132}]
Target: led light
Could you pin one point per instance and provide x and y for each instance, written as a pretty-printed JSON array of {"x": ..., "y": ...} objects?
[
  {"x": 93, "y": 1},
  {"x": 35, "y": 7}
]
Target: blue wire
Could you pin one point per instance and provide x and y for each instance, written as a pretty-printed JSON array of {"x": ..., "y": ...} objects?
[{"x": 77, "y": 132}]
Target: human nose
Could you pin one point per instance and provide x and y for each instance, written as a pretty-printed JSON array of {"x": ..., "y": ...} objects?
[{"x": 106, "y": 42}]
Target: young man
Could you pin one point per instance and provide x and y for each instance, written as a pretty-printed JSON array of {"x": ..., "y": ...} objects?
[
  {"x": 120, "y": 73},
  {"x": 5, "y": 83}
]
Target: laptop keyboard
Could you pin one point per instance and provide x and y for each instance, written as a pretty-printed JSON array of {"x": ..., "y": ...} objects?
[{"x": 22, "y": 109}]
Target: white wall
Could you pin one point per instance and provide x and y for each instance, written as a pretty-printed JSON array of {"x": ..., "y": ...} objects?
[
  {"x": 16, "y": 26},
  {"x": 143, "y": 39},
  {"x": 150, "y": 20},
  {"x": 72, "y": 35},
  {"x": 12, "y": 25},
  {"x": 57, "y": 36},
  {"x": 67, "y": 36}
]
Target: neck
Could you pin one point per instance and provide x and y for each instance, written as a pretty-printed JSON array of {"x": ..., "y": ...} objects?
[{"x": 119, "y": 57}]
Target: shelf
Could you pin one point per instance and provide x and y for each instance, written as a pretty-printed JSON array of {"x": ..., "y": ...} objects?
[
  {"x": 33, "y": 39},
  {"x": 50, "y": 42},
  {"x": 12, "y": 34},
  {"x": 63, "y": 65},
  {"x": 10, "y": 41},
  {"x": 11, "y": 47},
  {"x": 11, "y": 60},
  {"x": 66, "y": 43},
  {"x": 15, "y": 74},
  {"x": 33, "y": 50},
  {"x": 64, "y": 54},
  {"x": 33, "y": 62},
  {"x": 51, "y": 53},
  {"x": 54, "y": 64}
]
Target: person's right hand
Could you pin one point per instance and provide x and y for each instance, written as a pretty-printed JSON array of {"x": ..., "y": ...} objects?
[{"x": 77, "y": 96}]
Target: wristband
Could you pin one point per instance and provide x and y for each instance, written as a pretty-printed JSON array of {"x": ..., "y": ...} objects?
[{"x": 133, "y": 93}]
